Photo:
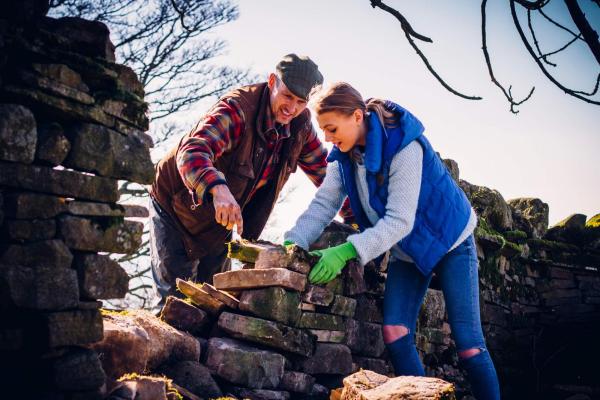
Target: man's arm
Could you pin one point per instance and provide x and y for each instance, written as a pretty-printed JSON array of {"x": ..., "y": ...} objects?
[
  {"x": 313, "y": 161},
  {"x": 217, "y": 133}
]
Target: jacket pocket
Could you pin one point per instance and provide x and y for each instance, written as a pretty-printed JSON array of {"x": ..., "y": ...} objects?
[{"x": 195, "y": 219}]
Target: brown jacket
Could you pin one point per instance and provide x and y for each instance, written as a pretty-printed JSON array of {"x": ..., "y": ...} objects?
[{"x": 242, "y": 165}]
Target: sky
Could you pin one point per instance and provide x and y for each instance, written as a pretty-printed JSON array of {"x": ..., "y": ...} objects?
[{"x": 549, "y": 150}]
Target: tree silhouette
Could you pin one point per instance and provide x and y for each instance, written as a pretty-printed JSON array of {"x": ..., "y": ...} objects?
[{"x": 584, "y": 33}]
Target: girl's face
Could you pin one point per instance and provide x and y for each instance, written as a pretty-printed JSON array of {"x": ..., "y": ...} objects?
[{"x": 344, "y": 131}]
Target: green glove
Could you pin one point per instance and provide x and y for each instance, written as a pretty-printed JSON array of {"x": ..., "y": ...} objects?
[
  {"x": 288, "y": 244},
  {"x": 331, "y": 263}
]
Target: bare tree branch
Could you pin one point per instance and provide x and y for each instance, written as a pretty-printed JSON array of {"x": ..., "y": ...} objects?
[
  {"x": 507, "y": 93},
  {"x": 535, "y": 41},
  {"x": 568, "y": 91},
  {"x": 589, "y": 35},
  {"x": 533, "y": 5},
  {"x": 410, "y": 33}
]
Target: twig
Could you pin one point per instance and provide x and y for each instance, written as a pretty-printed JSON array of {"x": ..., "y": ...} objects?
[
  {"x": 535, "y": 41},
  {"x": 589, "y": 34},
  {"x": 406, "y": 27},
  {"x": 507, "y": 93}
]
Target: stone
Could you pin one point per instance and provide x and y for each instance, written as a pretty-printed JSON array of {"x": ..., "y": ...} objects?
[
  {"x": 258, "y": 278},
  {"x": 373, "y": 364},
  {"x": 530, "y": 215},
  {"x": 78, "y": 370},
  {"x": 308, "y": 307},
  {"x": 54, "y": 87},
  {"x": 135, "y": 211},
  {"x": 112, "y": 235},
  {"x": 31, "y": 230},
  {"x": 364, "y": 338},
  {"x": 268, "y": 333},
  {"x": 100, "y": 277},
  {"x": 224, "y": 297},
  {"x": 51, "y": 253},
  {"x": 59, "y": 182},
  {"x": 138, "y": 387},
  {"x": 368, "y": 385},
  {"x": 325, "y": 336},
  {"x": 68, "y": 328},
  {"x": 137, "y": 341},
  {"x": 244, "y": 365},
  {"x": 368, "y": 309},
  {"x": 130, "y": 110},
  {"x": 321, "y": 321},
  {"x": 18, "y": 133},
  {"x": 569, "y": 230},
  {"x": 490, "y": 205},
  {"x": 250, "y": 252},
  {"x": 453, "y": 169},
  {"x": 343, "y": 306},
  {"x": 90, "y": 38},
  {"x": 433, "y": 309},
  {"x": 328, "y": 358},
  {"x": 354, "y": 281},
  {"x": 33, "y": 205},
  {"x": 184, "y": 316},
  {"x": 93, "y": 209},
  {"x": 258, "y": 394},
  {"x": 334, "y": 234},
  {"x": 101, "y": 150},
  {"x": 297, "y": 382},
  {"x": 193, "y": 376},
  {"x": 61, "y": 73},
  {"x": 274, "y": 303},
  {"x": 40, "y": 288},
  {"x": 128, "y": 80},
  {"x": 318, "y": 392},
  {"x": 52, "y": 145},
  {"x": 199, "y": 297},
  {"x": 318, "y": 295}
]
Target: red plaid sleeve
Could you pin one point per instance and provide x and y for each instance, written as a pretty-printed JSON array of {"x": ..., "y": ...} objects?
[{"x": 219, "y": 132}]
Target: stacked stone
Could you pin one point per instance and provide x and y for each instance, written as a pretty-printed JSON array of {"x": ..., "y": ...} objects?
[{"x": 72, "y": 124}]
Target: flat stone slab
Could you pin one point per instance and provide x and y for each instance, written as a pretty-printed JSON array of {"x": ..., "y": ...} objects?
[
  {"x": 325, "y": 336},
  {"x": 199, "y": 297},
  {"x": 60, "y": 182},
  {"x": 50, "y": 253},
  {"x": 258, "y": 278},
  {"x": 18, "y": 133},
  {"x": 258, "y": 394},
  {"x": 184, "y": 316},
  {"x": 224, "y": 297},
  {"x": 29, "y": 205},
  {"x": 373, "y": 364},
  {"x": 328, "y": 358},
  {"x": 368, "y": 385},
  {"x": 31, "y": 230},
  {"x": 344, "y": 306},
  {"x": 267, "y": 333},
  {"x": 70, "y": 328},
  {"x": 85, "y": 234},
  {"x": 244, "y": 365},
  {"x": 321, "y": 321},
  {"x": 193, "y": 376},
  {"x": 88, "y": 208},
  {"x": 274, "y": 303}
]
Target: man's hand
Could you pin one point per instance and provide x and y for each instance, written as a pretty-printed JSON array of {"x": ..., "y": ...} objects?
[
  {"x": 331, "y": 263},
  {"x": 227, "y": 210}
]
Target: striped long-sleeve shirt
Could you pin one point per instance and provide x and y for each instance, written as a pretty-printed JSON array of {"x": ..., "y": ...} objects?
[{"x": 220, "y": 132}]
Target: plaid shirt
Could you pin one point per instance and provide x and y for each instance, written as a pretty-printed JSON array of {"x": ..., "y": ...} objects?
[{"x": 220, "y": 132}]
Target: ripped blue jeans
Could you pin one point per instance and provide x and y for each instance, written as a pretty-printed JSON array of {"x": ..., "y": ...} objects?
[{"x": 405, "y": 289}]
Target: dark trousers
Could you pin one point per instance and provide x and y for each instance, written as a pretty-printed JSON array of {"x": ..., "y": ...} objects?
[{"x": 169, "y": 259}]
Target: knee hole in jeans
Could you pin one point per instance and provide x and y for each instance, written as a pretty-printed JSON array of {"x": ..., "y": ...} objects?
[
  {"x": 468, "y": 353},
  {"x": 391, "y": 333}
]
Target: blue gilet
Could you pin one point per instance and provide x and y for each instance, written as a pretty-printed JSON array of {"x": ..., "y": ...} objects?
[{"x": 443, "y": 210}]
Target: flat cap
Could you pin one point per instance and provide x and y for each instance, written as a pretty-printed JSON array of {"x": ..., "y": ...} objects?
[{"x": 299, "y": 73}]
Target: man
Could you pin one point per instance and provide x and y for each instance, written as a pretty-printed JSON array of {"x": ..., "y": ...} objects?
[{"x": 229, "y": 170}]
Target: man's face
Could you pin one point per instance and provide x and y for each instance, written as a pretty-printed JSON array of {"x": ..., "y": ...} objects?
[{"x": 284, "y": 104}]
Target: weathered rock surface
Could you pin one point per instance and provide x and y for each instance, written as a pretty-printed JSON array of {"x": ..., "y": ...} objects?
[
  {"x": 368, "y": 385},
  {"x": 530, "y": 215},
  {"x": 40, "y": 288},
  {"x": 321, "y": 321},
  {"x": 224, "y": 297},
  {"x": 364, "y": 338},
  {"x": 184, "y": 316},
  {"x": 318, "y": 295},
  {"x": 199, "y": 297},
  {"x": 298, "y": 382},
  {"x": 325, "y": 336},
  {"x": 31, "y": 230},
  {"x": 59, "y": 182},
  {"x": 103, "y": 151},
  {"x": 489, "y": 205},
  {"x": 93, "y": 209},
  {"x": 115, "y": 236},
  {"x": 343, "y": 306},
  {"x": 193, "y": 376},
  {"x": 78, "y": 370},
  {"x": 274, "y": 303},
  {"x": 258, "y": 394},
  {"x": 33, "y": 205},
  {"x": 18, "y": 133},
  {"x": 69, "y": 328},
  {"x": 328, "y": 358},
  {"x": 100, "y": 277},
  {"x": 268, "y": 333},
  {"x": 51, "y": 253},
  {"x": 244, "y": 365},
  {"x": 258, "y": 278},
  {"x": 137, "y": 341}
]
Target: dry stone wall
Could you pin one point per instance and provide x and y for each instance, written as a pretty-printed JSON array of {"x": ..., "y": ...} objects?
[{"x": 72, "y": 123}]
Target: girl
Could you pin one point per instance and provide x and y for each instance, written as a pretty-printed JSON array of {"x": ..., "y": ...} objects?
[{"x": 404, "y": 200}]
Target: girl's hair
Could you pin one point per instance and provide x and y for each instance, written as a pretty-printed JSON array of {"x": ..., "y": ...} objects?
[{"x": 341, "y": 97}]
